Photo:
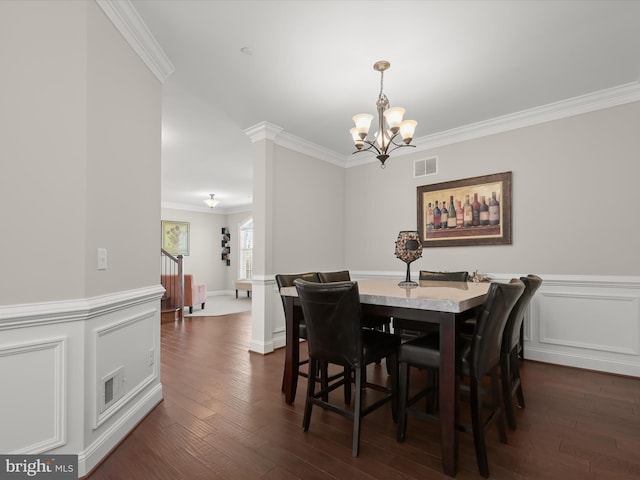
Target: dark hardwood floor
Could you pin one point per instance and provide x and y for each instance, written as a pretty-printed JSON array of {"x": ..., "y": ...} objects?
[{"x": 223, "y": 417}]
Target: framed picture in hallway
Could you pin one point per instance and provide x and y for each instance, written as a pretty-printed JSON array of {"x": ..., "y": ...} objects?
[{"x": 175, "y": 237}]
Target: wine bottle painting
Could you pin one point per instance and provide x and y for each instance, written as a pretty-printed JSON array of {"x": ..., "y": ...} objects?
[{"x": 472, "y": 211}]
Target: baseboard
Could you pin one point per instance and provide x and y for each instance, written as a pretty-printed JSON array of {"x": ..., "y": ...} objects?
[{"x": 100, "y": 449}]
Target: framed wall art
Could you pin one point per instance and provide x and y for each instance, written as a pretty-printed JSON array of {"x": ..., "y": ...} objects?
[
  {"x": 472, "y": 211},
  {"x": 175, "y": 237}
]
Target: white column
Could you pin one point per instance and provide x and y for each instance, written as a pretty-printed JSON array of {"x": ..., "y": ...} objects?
[{"x": 262, "y": 136}]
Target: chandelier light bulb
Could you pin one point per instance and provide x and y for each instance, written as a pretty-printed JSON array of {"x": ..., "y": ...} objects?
[
  {"x": 363, "y": 123},
  {"x": 358, "y": 142},
  {"x": 407, "y": 129},
  {"x": 393, "y": 116}
]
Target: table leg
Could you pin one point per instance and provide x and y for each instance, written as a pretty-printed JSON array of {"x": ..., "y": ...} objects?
[
  {"x": 448, "y": 395},
  {"x": 292, "y": 353}
]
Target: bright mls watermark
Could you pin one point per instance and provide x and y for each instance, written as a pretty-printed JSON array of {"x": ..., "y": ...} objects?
[{"x": 51, "y": 467}]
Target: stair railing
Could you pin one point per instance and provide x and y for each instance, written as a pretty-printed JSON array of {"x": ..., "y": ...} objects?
[{"x": 172, "y": 279}]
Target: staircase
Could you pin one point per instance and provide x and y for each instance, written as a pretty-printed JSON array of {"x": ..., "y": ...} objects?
[{"x": 172, "y": 279}]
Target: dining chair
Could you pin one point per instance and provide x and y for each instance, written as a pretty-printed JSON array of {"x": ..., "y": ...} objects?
[
  {"x": 368, "y": 321},
  {"x": 335, "y": 336},
  {"x": 286, "y": 280},
  {"x": 401, "y": 326},
  {"x": 510, "y": 349},
  {"x": 478, "y": 358},
  {"x": 444, "y": 276}
]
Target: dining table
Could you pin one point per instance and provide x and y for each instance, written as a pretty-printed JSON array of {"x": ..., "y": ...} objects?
[{"x": 418, "y": 307}]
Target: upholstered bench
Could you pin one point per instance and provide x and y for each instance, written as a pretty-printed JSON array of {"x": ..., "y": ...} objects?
[{"x": 243, "y": 285}]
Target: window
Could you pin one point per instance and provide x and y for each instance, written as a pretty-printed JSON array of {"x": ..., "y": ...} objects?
[{"x": 245, "y": 263}]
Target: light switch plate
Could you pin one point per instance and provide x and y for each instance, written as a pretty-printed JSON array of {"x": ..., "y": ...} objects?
[{"x": 102, "y": 259}]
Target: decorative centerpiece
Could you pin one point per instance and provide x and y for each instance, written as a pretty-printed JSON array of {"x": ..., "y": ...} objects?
[{"x": 408, "y": 249}]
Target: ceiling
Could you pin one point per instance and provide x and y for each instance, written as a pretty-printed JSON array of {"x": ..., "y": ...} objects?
[{"x": 310, "y": 69}]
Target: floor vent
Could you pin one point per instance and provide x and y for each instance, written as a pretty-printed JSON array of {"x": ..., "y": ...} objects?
[{"x": 425, "y": 167}]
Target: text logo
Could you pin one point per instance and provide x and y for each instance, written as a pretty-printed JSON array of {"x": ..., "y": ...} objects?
[{"x": 51, "y": 467}]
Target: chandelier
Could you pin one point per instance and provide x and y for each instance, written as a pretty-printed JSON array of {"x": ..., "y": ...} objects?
[
  {"x": 211, "y": 202},
  {"x": 386, "y": 139}
]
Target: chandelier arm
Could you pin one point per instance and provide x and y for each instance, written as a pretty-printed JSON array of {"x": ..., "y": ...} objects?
[
  {"x": 370, "y": 148},
  {"x": 397, "y": 146}
]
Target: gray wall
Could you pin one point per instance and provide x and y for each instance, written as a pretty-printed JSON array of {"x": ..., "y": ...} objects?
[
  {"x": 574, "y": 192},
  {"x": 80, "y": 141},
  {"x": 308, "y": 213}
]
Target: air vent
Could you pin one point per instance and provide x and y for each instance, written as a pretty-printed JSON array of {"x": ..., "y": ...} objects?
[
  {"x": 112, "y": 388},
  {"x": 426, "y": 167},
  {"x": 108, "y": 391}
]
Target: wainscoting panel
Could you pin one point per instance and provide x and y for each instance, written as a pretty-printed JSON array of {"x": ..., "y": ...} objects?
[
  {"x": 124, "y": 355},
  {"x": 52, "y": 356},
  {"x": 34, "y": 377},
  {"x": 596, "y": 322},
  {"x": 586, "y": 322}
]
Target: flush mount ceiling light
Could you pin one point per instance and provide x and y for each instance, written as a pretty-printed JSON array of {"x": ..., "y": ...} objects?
[
  {"x": 385, "y": 140},
  {"x": 211, "y": 201}
]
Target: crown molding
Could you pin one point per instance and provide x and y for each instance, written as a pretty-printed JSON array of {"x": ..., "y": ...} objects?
[
  {"x": 263, "y": 131},
  {"x": 269, "y": 131},
  {"x": 306, "y": 147},
  {"x": 611, "y": 97},
  {"x": 590, "y": 102},
  {"x": 127, "y": 21}
]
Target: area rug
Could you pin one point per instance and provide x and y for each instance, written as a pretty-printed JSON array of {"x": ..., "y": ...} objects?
[{"x": 220, "y": 305}]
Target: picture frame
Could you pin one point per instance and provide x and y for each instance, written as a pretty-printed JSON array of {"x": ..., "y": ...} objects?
[
  {"x": 175, "y": 237},
  {"x": 486, "y": 222}
]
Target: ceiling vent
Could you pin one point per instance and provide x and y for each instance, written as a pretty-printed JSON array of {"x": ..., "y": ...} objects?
[{"x": 426, "y": 167}]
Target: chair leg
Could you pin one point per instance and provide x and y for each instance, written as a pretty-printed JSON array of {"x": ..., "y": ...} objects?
[
  {"x": 478, "y": 428},
  {"x": 515, "y": 375},
  {"x": 403, "y": 392},
  {"x": 507, "y": 389},
  {"x": 521, "y": 343},
  {"x": 497, "y": 405},
  {"x": 323, "y": 374},
  {"x": 311, "y": 387},
  {"x": 357, "y": 413}
]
